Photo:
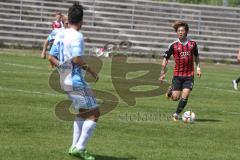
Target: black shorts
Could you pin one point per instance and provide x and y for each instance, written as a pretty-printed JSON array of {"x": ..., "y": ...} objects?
[{"x": 179, "y": 83}]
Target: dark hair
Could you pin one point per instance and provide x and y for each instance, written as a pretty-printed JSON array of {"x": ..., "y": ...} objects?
[
  {"x": 178, "y": 24},
  {"x": 75, "y": 13},
  {"x": 58, "y": 13}
]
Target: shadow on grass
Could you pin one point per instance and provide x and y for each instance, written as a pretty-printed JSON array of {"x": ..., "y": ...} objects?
[
  {"x": 98, "y": 157},
  {"x": 207, "y": 120}
]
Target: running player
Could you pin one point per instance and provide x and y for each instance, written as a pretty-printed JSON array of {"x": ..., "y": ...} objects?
[
  {"x": 68, "y": 47},
  {"x": 50, "y": 39},
  {"x": 184, "y": 51},
  {"x": 58, "y": 22}
]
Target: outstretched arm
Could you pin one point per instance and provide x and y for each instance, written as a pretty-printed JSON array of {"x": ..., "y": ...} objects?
[
  {"x": 197, "y": 61},
  {"x": 44, "y": 50},
  {"x": 162, "y": 73},
  {"x": 166, "y": 56}
]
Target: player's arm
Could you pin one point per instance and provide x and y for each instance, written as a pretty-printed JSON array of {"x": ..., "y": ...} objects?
[
  {"x": 162, "y": 73},
  {"x": 77, "y": 49},
  {"x": 197, "y": 61},
  {"x": 53, "y": 54},
  {"x": 44, "y": 50},
  {"x": 79, "y": 61},
  {"x": 53, "y": 60},
  {"x": 166, "y": 56}
]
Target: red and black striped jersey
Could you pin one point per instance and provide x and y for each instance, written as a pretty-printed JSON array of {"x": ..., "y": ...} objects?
[
  {"x": 57, "y": 24},
  {"x": 183, "y": 56}
]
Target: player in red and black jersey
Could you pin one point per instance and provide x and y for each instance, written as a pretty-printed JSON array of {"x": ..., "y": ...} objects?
[
  {"x": 58, "y": 22},
  {"x": 184, "y": 51}
]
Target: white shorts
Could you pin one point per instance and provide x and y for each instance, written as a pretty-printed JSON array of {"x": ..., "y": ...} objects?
[{"x": 83, "y": 99}]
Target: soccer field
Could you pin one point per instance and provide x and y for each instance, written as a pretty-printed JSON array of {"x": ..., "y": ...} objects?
[{"x": 30, "y": 130}]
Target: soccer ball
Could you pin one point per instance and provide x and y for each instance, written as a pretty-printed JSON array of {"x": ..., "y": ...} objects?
[
  {"x": 99, "y": 52},
  {"x": 188, "y": 117}
]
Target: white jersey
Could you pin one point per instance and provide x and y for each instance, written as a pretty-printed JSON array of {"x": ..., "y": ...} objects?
[{"x": 68, "y": 44}]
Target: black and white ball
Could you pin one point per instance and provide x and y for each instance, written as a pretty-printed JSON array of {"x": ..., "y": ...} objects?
[{"x": 189, "y": 117}]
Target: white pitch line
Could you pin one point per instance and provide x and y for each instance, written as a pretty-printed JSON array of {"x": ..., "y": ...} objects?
[
  {"x": 57, "y": 95},
  {"x": 34, "y": 67},
  {"x": 16, "y": 72},
  {"x": 234, "y": 113},
  {"x": 23, "y": 65},
  {"x": 39, "y": 93},
  {"x": 29, "y": 92},
  {"x": 219, "y": 89}
]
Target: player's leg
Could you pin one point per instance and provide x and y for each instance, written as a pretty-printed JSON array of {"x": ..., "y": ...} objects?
[
  {"x": 175, "y": 97},
  {"x": 187, "y": 86},
  {"x": 88, "y": 127},
  {"x": 183, "y": 101},
  {"x": 174, "y": 91},
  {"x": 78, "y": 122},
  {"x": 177, "y": 88},
  {"x": 238, "y": 80},
  {"x": 77, "y": 130},
  {"x": 86, "y": 103},
  {"x": 235, "y": 83}
]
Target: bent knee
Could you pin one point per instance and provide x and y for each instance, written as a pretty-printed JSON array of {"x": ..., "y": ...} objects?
[{"x": 175, "y": 98}]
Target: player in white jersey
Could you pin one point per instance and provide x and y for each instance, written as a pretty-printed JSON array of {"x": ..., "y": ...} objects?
[
  {"x": 66, "y": 53},
  {"x": 50, "y": 39}
]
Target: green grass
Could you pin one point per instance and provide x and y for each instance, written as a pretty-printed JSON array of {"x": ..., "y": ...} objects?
[{"x": 29, "y": 128}]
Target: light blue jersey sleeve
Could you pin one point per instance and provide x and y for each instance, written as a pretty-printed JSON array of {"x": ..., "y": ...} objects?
[
  {"x": 53, "y": 34},
  {"x": 54, "y": 49},
  {"x": 50, "y": 37},
  {"x": 77, "y": 46}
]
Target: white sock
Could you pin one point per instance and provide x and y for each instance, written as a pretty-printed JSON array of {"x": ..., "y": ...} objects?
[
  {"x": 77, "y": 129},
  {"x": 87, "y": 130}
]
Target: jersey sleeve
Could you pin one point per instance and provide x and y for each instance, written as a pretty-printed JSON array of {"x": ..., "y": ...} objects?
[
  {"x": 77, "y": 46},
  {"x": 50, "y": 37},
  {"x": 169, "y": 52},
  {"x": 196, "y": 50},
  {"x": 54, "y": 49},
  {"x": 53, "y": 34}
]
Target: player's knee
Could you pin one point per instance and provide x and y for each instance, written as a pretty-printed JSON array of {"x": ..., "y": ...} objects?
[
  {"x": 175, "y": 98},
  {"x": 185, "y": 95},
  {"x": 95, "y": 116}
]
